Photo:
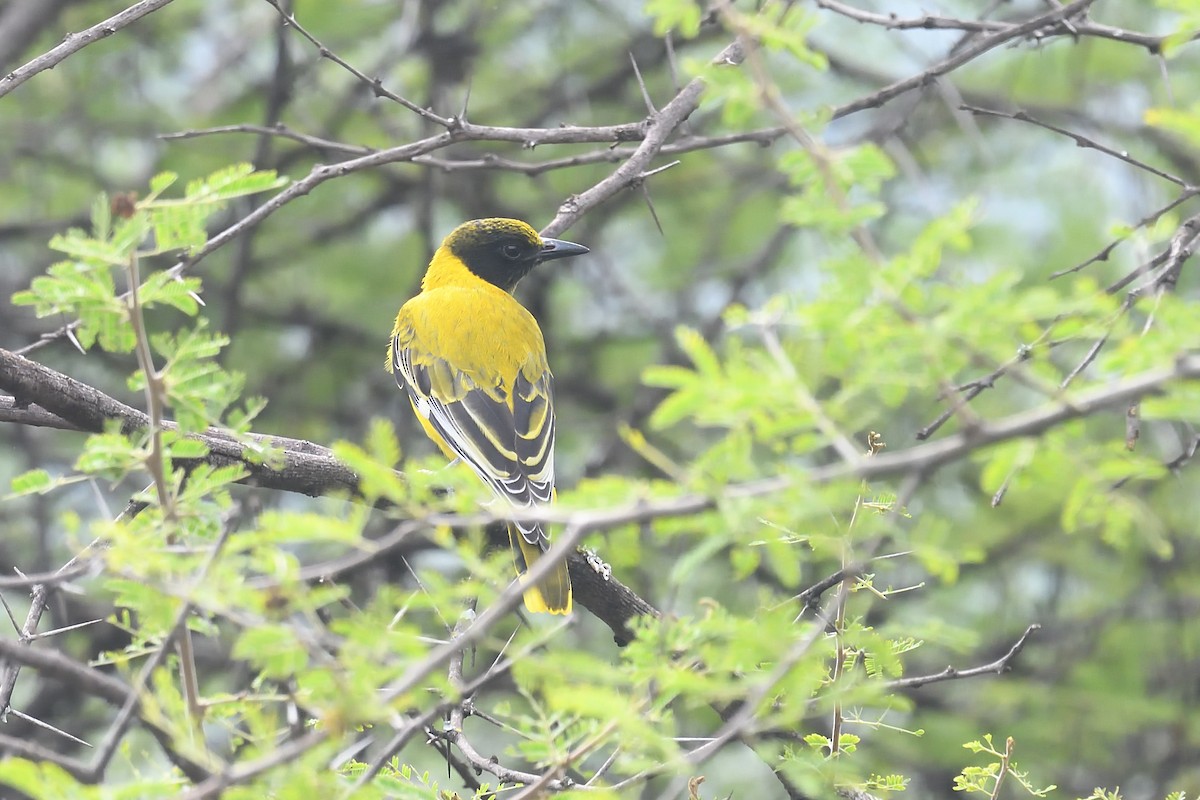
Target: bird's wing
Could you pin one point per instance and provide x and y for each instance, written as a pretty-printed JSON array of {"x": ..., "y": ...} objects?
[
  {"x": 504, "y": 433},
  {"x": 533, "y": 415}
]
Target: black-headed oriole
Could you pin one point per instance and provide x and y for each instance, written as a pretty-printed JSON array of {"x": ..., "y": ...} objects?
[{"x": 473, "y": 362}]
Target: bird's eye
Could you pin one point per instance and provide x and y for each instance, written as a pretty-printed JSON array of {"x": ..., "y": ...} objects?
[{"x": 511, "y": 251}]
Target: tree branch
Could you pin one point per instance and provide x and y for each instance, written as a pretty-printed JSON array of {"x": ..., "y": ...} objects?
[
  {"x": 1151, "y": 42},
  {"x": 65, "y": 403},
  {"x": 968, "y": 53},
  {"x": 312, "y": 469},
  {"x": 659, "y": 127},
  {"x": 997, "y": 667},
  {"x": 56, "y": 665},
  {"x": 74, "y": 42},
  {"x": 21, "y": 22},
  {"x": 652, "y": 133},
  {"x": 306, "y": 468}
]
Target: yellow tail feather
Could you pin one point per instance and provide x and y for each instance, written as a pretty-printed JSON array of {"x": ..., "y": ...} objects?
[{"x": 553, "y": 594}]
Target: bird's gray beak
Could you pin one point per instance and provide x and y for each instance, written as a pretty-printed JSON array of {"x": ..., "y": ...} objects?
[{"x": 557, "y": 248}]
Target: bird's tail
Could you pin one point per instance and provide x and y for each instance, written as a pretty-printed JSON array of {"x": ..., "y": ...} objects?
[{"x": 553, "y": 594}]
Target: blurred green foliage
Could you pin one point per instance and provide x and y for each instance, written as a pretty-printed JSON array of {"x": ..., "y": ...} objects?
[{"x": 826, "y": 279}]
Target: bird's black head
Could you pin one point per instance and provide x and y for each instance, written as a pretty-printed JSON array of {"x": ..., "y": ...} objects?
[{"x": 502, "y": 251}]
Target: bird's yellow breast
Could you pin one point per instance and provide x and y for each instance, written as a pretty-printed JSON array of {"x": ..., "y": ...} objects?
[
  {"x": 479, "y": 331},
  {"x": 471, "y": 326}
]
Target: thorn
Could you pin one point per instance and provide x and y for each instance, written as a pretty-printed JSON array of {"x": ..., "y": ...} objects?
[
  {"x": 642, "y": 83},
  {"x": 192, "y": 294},
  {"x": 74, "y": 341},
  {"x": 657, "y": 170},
  {"x": 653, "y": 213},
  {"x": 13, "y": 619},
  {"x": 669, "y": 41},
  {"x": 462, "y": 115},
  {"x": 56, "y": 631},
  {"x": 48, "y": 727},
  {"x": 98, "y": 495},
  {"x": 351, "y": 751}
]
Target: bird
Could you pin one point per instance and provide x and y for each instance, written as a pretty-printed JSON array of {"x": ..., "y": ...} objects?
[{"x": 473, "y": 362}]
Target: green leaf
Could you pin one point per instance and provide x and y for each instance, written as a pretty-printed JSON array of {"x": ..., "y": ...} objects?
[
  {"x": 682, "y": 17},
  {"x": 376, "y": 478},
  {"x": 699, "y": 351},
  {"x": 273, "y": 649},
  {"x": 184, "y": 447},
  {"x": 817, "y": 741},
  {"x": 112, "y": 330},
  {"x": 79, "y": 245},
  {"x": 156, "y": 610},
  {"x": 236, "y": 180},
  {"x": 178, "y": 227},
  {"x": 161, "y": 182},
  {"x": 31, "y": 482},
  {"x": 109, "y": 455},
  {"x": 179, "y": 293},
  {"x": 382, "y": 442},
  {"x": 42, "y": 780},
  {"x": 101, "y": 217}
]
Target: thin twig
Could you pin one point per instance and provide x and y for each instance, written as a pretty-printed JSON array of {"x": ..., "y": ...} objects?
[
  {"x": 660, "y": 126},
  {"x": 1075, "y": 29},
  {"x": 26, "y": 634},
  {"x": 1080, "y": 141},
  {"x": 492, "y": 161},
  {"x": 74, "y": 42},
  {"x": 997, "y": 667},
  {"x": 968, "y": 53},
  {"x": 375, "y": 84}
]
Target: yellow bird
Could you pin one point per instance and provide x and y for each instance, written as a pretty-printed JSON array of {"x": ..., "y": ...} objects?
[{"x": 473, "y": 362}]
